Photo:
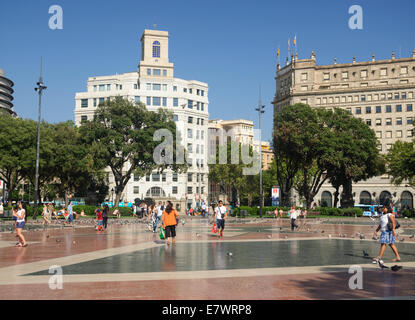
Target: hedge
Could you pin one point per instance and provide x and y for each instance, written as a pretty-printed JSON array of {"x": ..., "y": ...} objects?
[
  {"x": 346, "y": 212},
  {"x": 408, "y": 213}
]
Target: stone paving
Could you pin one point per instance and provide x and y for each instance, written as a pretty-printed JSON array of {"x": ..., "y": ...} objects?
[{"x": 257, "y": 259}]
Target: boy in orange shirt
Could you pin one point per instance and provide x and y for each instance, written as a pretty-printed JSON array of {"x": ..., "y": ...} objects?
[{"x": 169, "y": 222}]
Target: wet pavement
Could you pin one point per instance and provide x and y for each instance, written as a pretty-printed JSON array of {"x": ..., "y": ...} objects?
[{"x": 256, "y": 259}]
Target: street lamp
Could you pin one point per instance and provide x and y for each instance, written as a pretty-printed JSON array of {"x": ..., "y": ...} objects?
[
  {"x": 40, "y": 87},
  {"x": 260, "y": 111}
]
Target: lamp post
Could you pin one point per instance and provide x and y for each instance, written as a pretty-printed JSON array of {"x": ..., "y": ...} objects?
[
  {"x": 40, "y": 87},
  {"x": 260, "y": 110}
]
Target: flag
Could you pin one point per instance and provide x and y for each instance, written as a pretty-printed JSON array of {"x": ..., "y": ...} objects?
[
  {"x": 278, "y": 52},
  {"x": 289, "y": 47},
  {"x": 295, "y": 41}
]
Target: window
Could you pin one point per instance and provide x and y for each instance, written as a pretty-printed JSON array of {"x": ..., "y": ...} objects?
[
  {"x": 101, "y": 100},
  {"x": 84, "y": 103},
  {"x": 358, "y": 110},
  {"x": 164, "y": 72},
  {"x": 202, "y": 106},
  {"x": 147, "y": 177},
  {"x": 95, "y": 102},
  {"x": 95, "y": 88},
  {"x": 108, "y": 87},
  {"x": 190, "y": 90},
  {"x": 197, "y": 134},
  {"x": 189, "y": 190},
  {"x": 388, "y": 146},
  {"x": 190, "y": 133},
  {"x": 156, "y": 86},
  {"x": 197, "y": 105},
  {"x": 378, "y": 122},
  {"x": 136, "y": 177},
  {"x": 379, "y": 134},
  {"x": 174, "y": 190},
  {"x": 164, "y": 102},
  {"x": 175, "y": 117},
  {"x": 149, "y": 72},
  {"x": 388, "y": 134},
  {"x": 363, "y": 98},
  {"x": 136, "y": 190},
  {"x": 149, "y": 101},
  {"x": 404, "y": 70},
  {"x": 156, "y": 101},
  {"x": 189, "y": 177},
  {"x": 368, "y": 110},
  {"x": 190, "y": 120},
  {"x": 399, "y": 134},
  {"x": 164, "y": 87},
  {"x": 174, "y": 177},
  {"x": 202, "y": 134},
  {"x": 175, "y": 88},
  {"x": 175, "y": 102},
  {"x": 102, "y": 87},
  {"x": 120, "y": 86},
  {"x": 304, "y": 88},
  {"x": 304, "y": 76},
  {"x": 190, "y": 148},
  {"x": 156, "y": 49},
  {"x": 403, "y": 95},
  {"x": 388, "y": 121},
  {"x": 363, "y": 73},
  {"x": 185, "y": 90},
  {"x": 148, "y": 86},
  {"x": 163, "y": 177},
  {"x": 190, "y": 104},
  {"x": 389, "y": 96},
  {"x": 202, "y": 93},
  {"x": 383, "y": 72},
  {"x": 409, "y": 107},
  {"x": 396, "y": 96},
  {"x": 345, "y": 75},
  {"x": 378, "y": 109},
  {"x": 135, "y": 86},
  {"x": 155, "y": 177},
  {"x": 398, "y": 108},
  {"x": 398, "y": 121},
  {"x": 409, "y": 120},
  {"x": 84, "y": 118},
  {"x": 409, "y": 133},
  {"x": 136, "y": 99},
  {"x": 388, "y": 109},
  {"x": 201, "y": 122},
  {"x": 369, "y": 122},
  {"x": 156, "y": 72},
  {"x": 326, "y": 76}
]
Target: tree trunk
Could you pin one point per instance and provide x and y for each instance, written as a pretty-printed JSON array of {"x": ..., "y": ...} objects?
[
  {"x": 336, "y": 196},
  {"x": 347, "y": 200},
  {"x": 117, "y": 198}
]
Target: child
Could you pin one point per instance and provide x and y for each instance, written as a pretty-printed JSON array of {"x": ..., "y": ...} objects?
[{"x": 100, "y": 220}]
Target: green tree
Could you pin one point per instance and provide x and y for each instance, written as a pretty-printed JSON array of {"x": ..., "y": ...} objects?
[
  {"x": 401, "y": 162},
  {"x": 121, "y": 135}
]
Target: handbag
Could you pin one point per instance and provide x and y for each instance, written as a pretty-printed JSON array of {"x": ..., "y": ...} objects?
[
  {"x": 162, "y": 234},
  {"x": 390, "y": 225},
  {"x": 214, "y": 230}
]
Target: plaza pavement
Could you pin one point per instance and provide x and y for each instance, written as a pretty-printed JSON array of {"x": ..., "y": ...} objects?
[{"x": 255, "y": 260}]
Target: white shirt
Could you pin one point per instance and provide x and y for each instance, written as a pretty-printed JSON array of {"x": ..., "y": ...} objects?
[
  {"x": 293, "y": 214},
  {"x": 20, "y": 215},
  {"x": 383, "y": 222},
  {"x": 219, "y": 211},
  {"x": 1, "y": 209},
  {"x": 159, "y": 211}
]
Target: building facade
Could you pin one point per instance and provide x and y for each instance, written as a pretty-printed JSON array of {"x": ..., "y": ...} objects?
[
  {"x": 380, "y": 92},
  {"x": 154, "y": 85},
  {"x": 6, "y": 94}
]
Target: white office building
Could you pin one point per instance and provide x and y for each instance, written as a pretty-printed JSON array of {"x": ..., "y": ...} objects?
[{"x": 154, "y": 85}]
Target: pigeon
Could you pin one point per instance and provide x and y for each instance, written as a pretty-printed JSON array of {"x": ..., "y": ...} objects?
[
  {"x": 58, "y": 240},
  {"x": 381, "y": 265},
  {"x": 365, "y": 254},
  {"x": 322, "y": 231},
  {"x": 47, "y": 236},
  {"x": 229, "y": 254},
  {"x": 197, "y": 235},
  {"x": 362, "y": 236},
  {"x": 269, "y": 237},
  {"x": 396, "y": 268},
  {"x": 402, "y": 239},
  {"x": 411, "y": 237},
  {"x": 375, "y": 238}
]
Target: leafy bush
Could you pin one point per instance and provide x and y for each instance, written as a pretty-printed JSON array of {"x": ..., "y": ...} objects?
[
  {"x": 89, "y": 210},
  {"x": 408, "y": 213}
]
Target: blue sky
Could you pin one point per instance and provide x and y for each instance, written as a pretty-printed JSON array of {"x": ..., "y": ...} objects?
[{"x": 229, "y": 44}]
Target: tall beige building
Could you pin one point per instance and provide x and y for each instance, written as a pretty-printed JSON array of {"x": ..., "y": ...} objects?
[{"x": 380, "y": 92}]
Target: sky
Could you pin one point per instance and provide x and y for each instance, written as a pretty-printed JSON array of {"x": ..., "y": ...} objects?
[{"x": 229, "y": 44}]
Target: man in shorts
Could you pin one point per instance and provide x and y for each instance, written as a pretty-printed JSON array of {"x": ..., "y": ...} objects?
[
  {"x": 70, "y": 213},
  {"x": 221, "y": 215}
]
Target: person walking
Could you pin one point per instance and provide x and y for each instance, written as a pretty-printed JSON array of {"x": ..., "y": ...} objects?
[
  {"x": 221, "y": 216},
  {"x": 45, "y": 215},
  {"x": 69, "y": 212},
  {"x": 293, "y": 217},
  {"x": 1, "y": 208},
  {"x": 169, "y": 222},
  {"x": 134, "y": 209},
  {"x": 159, "y": 210},
  {"x": 105, "y": 214},
  {"x": 387, "y": 235},
  {"x": 20, "y": 223}
]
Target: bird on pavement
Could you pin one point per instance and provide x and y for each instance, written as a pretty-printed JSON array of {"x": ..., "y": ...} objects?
[
  {"x": 411, "y": 237},
  {"x": 229, "y": 254},
  {"x": 58, "y": 240},
  {"x": 381, "y": 265},
  {"x": 396, "y": 268},
  {"x": 402, "y": 239},
  {"x": 362, "y": 236},
  {"x": 365, "y": 254}
]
